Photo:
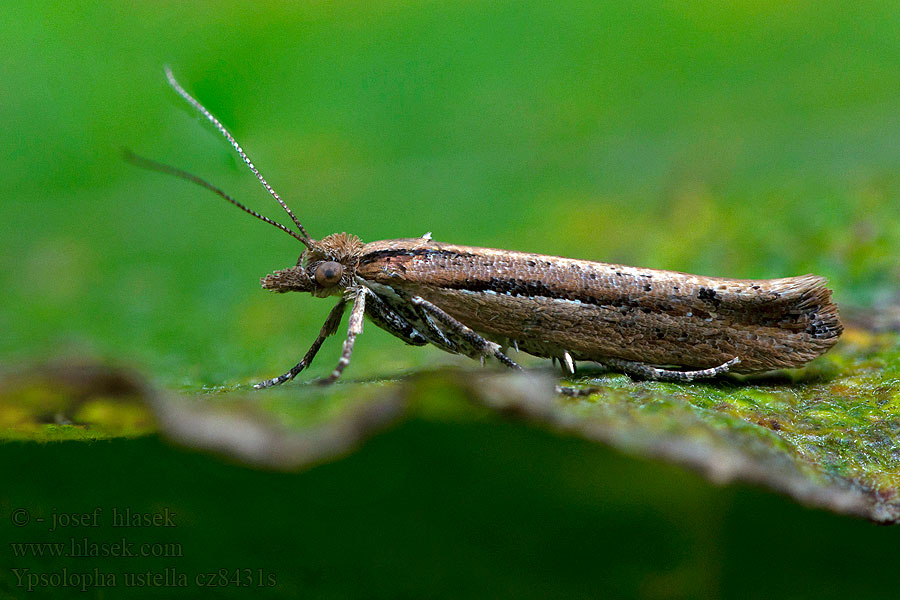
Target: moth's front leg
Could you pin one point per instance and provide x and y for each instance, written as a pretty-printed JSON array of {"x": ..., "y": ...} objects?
[
  {"x": 330, "y": 326},
  {"x": 462, "y": 336},
  {"x": 356, "y": 326}
]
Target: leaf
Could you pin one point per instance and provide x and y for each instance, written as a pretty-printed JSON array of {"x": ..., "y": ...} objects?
[
  {"x": 279, "y": 429},
  {"x": 825, "y": 435}
]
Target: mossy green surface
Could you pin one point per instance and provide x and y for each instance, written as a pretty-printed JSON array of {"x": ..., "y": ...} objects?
[
  {"x": 73, "y": 401},
  {"x": 834, "y": 424}
]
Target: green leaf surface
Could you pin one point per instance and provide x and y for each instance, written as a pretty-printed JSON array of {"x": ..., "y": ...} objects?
[{"x": 826, "y": 435}]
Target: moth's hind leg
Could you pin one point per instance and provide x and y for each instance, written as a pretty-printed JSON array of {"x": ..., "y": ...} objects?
[
  {"x": 645, "y": 371},
  {"x": 330, "y": 326},
  {"x": 467, "y": 341}
]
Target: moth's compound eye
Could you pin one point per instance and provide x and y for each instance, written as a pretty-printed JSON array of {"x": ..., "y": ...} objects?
[{"x": 329, "y": 273}]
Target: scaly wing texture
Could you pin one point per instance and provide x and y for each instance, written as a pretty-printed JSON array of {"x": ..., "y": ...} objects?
[{"x": 594, "y": 310}]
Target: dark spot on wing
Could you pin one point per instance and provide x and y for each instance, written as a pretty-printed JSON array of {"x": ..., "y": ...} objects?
[{"x": 709, "y": 295}]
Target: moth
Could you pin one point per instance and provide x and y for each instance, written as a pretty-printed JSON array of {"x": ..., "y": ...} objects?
[{"x": 478, "y": 302}]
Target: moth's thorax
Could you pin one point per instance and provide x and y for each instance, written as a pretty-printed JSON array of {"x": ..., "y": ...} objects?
[{"x": 340, "y": 248}]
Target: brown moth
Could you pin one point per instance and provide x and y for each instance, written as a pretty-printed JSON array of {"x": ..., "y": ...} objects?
[{"x": 477, "y": 301}]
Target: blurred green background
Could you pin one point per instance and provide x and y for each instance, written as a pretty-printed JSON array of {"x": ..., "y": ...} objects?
[{"x": 742, "y": 139}]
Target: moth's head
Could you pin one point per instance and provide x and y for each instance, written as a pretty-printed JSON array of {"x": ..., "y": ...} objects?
[{"x": 326, "y": 268}]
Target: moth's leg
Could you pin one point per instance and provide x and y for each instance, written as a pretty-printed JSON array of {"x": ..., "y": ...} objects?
[
  {"x": 645, "y": 371},
  {"x": 435, "y": 334},
  {"x": 385, "y": 316},
  {"x": 462, "y": 336},
  {"x": 399, "y": 303},
  {"x": 355, "y": 328},
  {"x": 507, "y": 344},
  {"x": 330, "y": 326}
]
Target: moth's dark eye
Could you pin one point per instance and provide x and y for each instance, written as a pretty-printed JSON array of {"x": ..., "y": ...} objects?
[{"x": 329, "y": 273}]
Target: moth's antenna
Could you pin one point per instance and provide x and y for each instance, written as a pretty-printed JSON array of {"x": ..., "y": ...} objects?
[
  {"x": 218, "y": 125},
  {"x": 147, "y": 163}
]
